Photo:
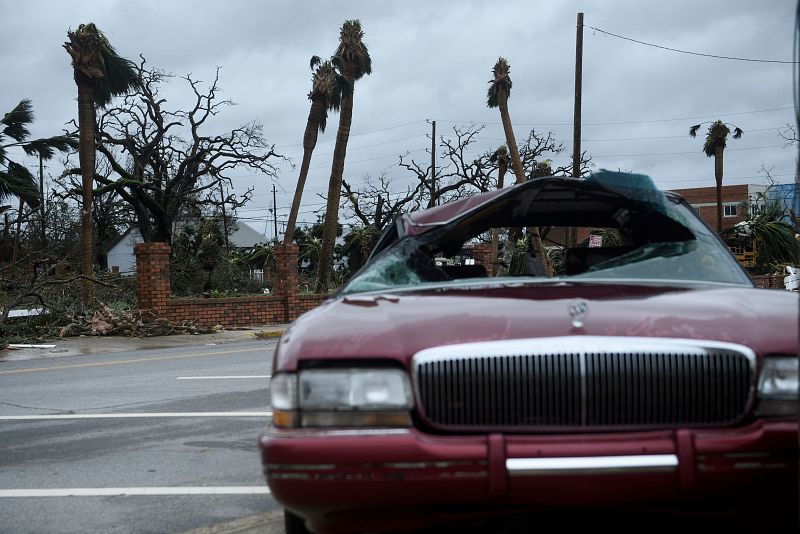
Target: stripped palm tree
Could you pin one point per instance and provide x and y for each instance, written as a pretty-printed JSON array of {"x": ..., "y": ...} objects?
[
  {"x": 100, "y": 74},
  {"x": 15, "y": 179},
  {"x": 716, "y": 140},
  {"x": 353, "y": 62},
  {"x": 327, "y": 89},
  {"x": 497, "y": 97}
]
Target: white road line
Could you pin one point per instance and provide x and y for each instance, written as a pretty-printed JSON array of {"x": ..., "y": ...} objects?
[
  {"x": 222, "y": 377},
  {"x": 130, "y": 415},
  {"x": 114, "y": 492}
]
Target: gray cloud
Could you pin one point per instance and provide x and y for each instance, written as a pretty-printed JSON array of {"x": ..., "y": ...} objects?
[{"x": 432, "y": 60}]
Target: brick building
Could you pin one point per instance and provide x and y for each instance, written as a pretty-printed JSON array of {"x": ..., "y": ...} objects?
[{"x": 736, "y": 200}]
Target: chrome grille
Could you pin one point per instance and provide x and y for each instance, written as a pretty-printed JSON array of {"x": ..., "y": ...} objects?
[{"x": 583, "y": 382}]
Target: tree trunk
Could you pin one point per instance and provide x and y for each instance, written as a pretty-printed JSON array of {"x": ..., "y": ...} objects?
[
  {"x": 309, "y": 142},
  {"x": 334, "y": 192},
  {"x": 15, "y": 254},
  {"x": 516, "y": 164},
  {"x": 718, "y": 150},
  {"x": 86, "y": 127},
  {"x": 511, "y": 141},
  {"x": 501, "y": 178}
]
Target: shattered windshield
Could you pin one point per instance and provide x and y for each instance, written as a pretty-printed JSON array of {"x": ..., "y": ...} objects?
[{"x": 617, "y": 233}]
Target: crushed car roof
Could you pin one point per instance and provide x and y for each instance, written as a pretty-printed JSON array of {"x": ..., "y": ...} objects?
[{"x": 635, "y": 187}]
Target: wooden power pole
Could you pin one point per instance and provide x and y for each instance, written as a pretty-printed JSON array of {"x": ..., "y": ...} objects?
[
  {"x": 275, "y": 212},
  {"x": 42, "y": 221},
  {"x": 433, "y": 165},
  {"x": 572, "y": 236},
  {"x": 576, "y": 118}
]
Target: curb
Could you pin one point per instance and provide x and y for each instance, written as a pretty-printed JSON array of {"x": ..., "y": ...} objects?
[{"x": 268, "y": 523}]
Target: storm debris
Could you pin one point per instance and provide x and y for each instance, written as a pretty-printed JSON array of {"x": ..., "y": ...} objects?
[{"x": 132, "y": 323}]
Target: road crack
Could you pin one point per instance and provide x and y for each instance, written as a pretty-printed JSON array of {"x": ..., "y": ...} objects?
[{"x": 24, "y": 407}]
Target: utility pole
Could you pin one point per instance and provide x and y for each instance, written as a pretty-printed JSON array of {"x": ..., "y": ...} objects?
[
  {"x": 576, "y": 130},
  {"x": 433, "y": 200},
  {"x": 224, "y": 216},
  {"x": 42, "y": 222},
  {"x": 576, "y": 118},
  {"x": 275, "y": 212}
]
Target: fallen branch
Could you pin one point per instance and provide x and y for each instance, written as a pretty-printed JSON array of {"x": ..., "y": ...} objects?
[{"x": 135, "y": 323}]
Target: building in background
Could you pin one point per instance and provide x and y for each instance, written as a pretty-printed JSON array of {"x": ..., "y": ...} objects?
[
  {"x": 738, "y": 199},
  {"x": 786, "y": 195},
  {"x": 121, "y": 258}
]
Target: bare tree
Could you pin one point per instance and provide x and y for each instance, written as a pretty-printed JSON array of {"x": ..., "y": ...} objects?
[
  {"x": 461, "y": 174},
  {"x": 163, "y": 161},
  {"x": 375, "y": 205}
]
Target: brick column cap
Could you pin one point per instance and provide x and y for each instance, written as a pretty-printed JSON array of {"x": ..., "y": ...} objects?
[
  {"x": 291, "y": 248},
  {"x": 151, "y": 248}
]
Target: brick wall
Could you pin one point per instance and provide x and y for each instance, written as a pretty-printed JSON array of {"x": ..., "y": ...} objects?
[
  {"x": 483, "y": 256},
  {"x": 285, "y": 287},
  {"x": 152, "y": 276},
  {"x": 227, "y": 312},
  {"x": 284, "y": 305},
  {"x": 309, "y": 302},
  {"x": 769, "y": 281}
]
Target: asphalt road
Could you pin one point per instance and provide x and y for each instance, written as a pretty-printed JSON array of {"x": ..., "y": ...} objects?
[{"x": 141, "y": 441}]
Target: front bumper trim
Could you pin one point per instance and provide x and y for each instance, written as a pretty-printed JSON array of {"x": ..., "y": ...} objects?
[{"x": 591, "y": 464}]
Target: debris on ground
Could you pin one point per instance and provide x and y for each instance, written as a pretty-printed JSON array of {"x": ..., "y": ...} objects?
[
  {"x": 267, "y": 334},
  {"x": 133, "y": 323}
]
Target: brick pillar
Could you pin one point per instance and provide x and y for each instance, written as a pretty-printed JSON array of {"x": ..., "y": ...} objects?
[
  {"x": 152, "y": 276},
  {"x": 483, "y": 256},
  {"x": 286, "y": 279}
]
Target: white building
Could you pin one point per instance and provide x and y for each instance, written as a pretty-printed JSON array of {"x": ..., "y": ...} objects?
[{"x": 121, "y": 257}]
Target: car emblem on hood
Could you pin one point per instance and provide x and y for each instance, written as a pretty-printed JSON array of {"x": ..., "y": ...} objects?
[{"x": 578, "y": 309}]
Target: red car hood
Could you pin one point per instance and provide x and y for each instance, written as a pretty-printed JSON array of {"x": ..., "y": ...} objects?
[{"x": 397, "y": 325}]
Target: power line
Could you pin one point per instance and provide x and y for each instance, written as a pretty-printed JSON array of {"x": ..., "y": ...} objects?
[
  {"x": 672, "y": 136},
  {"x": 376, "y": 144},
  {"x": 717, "y": 115},
  {"x": 698, "y": 152},
  {"x": 370, "y": 159},
  {"x": 733, "y": 58},
  {"x": 540, "y": 124},
  {"x": 365, "y": 133}
]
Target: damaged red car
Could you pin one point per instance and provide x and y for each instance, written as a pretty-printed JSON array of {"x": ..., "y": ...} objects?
[{"x": 637, "y": 368}]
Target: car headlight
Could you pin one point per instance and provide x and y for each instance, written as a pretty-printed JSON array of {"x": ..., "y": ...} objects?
[
  {"x": 778, "y": 386},
  {"x": 342, "y": 397}
]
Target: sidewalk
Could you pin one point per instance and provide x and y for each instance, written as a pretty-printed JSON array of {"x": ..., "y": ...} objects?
[{"x": 72, "y": 346}]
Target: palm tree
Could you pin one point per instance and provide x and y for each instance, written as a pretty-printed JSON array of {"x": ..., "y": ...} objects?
[
  {"x": 100, "y": 74},
  {"x": 327, "y": 88},
  {"x": 15, "y": 179},
  {"x": 497, "y": 97},
  {"x": 353, "y": 61},
  {"x": 769, "y": 232},
  {"x": 716, "y": 139}
]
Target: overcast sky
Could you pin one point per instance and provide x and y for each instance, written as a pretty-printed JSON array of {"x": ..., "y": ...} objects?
[{"x": 431, "y": 60}]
